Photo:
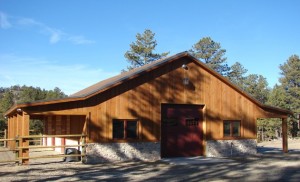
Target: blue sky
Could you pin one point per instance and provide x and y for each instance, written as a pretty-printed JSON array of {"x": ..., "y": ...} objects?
[{"x": 73, "y": 44}]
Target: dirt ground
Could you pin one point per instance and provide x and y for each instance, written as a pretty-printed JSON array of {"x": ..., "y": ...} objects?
[
  {"x": 293, "y": 144},
  {"x": 261, "y": 167},
  {"x": 276, "y": 146}
]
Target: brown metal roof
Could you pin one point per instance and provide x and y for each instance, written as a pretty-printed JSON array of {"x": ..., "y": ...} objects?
[{"x": 124, "y": 76}]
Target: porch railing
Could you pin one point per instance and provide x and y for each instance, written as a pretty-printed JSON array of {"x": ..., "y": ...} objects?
[{"x": 22, "y": 147}]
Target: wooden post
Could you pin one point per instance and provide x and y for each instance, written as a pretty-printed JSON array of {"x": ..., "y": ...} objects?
[
  {"x": 58, "y": 140},
  {"x": 5, "y": 137},
  {"x": 18, "y": 126},
  {"x": 86, "y": 126},
  {"x": 83, "y": 152},
  {"x": 24, "y": 141},
  {"x": 299, "y": 121},
  {"x": 45, "y": 131},
  {"x": 49, "y": 131},
  {"x": 8, "y": 132},
  {"x": 17, "y": 152},
  {"x": 284, "y": 136},
  {"x": 53, "y": 132}
]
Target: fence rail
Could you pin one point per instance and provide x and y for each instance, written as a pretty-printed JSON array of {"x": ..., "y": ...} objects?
[
  {"x": 3, "y": 137},
  {"x": 56, "y": 146},
  {"x": 22, "y": 147}
]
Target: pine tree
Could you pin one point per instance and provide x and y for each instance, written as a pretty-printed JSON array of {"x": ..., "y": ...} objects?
[
  {"x": 257, "y": 87},
  {"x": 5, "y": 103},
  {"x": 141, "y": 51},
  {"x": 290, "y": 83},
  {"x": 17, "y": 94},
  {"x": 277, "y": 97},
  {"x": 30, "y": 94},
  {"x": 56, "y": 93},
  {"x": 211, "y": 53},
  {"x": 237, "y": 74}
]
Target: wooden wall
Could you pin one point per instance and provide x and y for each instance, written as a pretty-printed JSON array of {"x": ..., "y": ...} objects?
[
  {"x": 141, "y": 98},
  {"x": 63, "y": 124}
]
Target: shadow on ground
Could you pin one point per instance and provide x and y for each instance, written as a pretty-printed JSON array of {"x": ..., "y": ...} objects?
[
  {"x": 261, "y": 167},
  {"x": 266, "y": 150}
]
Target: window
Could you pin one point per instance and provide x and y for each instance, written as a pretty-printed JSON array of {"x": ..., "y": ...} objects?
[
  {"x": 232, "y": 128},
  {"x": 125, "y": 129},
  {"x": 192, "y": 121}
]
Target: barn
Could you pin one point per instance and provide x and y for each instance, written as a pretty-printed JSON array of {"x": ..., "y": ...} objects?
[{"x": 173, "y": 107}]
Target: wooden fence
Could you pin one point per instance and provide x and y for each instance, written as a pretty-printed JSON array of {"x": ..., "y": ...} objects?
[
  {"x": 3, "y": 135},
  {"x": 22, "y": 147}
]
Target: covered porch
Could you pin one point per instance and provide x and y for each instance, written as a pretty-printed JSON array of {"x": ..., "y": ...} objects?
[
  {"x": 63, "y": 128},
  {"x": 282, "y": 115}
]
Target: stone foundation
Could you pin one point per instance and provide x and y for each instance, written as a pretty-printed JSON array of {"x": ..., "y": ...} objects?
[
  {"x": 113, "y": 152},
  {"x": 225, "y": 148}
]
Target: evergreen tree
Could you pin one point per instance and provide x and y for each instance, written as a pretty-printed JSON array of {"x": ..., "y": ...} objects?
[
  {"x": 257, "y": 87},
  {"x": 287, "y": 94},
  {"x": 237, "y": 74},
  {"x": 30, "y": 94},
  {"x": 5, "y": 103},
  {"x": 211, "y": 53},
  {"x": 277, "y": 97},
  {"x": 55, "y": 94},
  {"x": 17, "y": 94},
  {"x": 141, "y": 51},
  {"x": 268, "y": 128},
  {"x": 290, "y": 83}
]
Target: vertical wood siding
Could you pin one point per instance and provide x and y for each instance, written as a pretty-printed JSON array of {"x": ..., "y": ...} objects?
[{"x": 141, "y": 98}]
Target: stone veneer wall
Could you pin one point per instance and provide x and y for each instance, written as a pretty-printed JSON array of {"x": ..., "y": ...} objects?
[
  {"x": 113, "y": 152},
  {"x": 224, "y": 148}
]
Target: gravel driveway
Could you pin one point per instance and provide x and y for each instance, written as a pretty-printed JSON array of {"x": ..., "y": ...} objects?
[{"x": 261, "y": 167}]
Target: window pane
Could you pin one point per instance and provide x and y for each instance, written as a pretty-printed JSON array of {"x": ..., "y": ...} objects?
[
  {"x": 118, "y": 129},
  {"x": 131, "y": 129},
  {"x": 191, "y": 121},
  {"x": 236, "y": 128},
  {"x": 226, "y": 128}
]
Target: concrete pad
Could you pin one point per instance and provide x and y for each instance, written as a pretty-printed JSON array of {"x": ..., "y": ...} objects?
[{"x": 195, "y": 160}]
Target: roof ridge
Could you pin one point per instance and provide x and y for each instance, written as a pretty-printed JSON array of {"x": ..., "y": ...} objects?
[{"x": 122, "y": 76}]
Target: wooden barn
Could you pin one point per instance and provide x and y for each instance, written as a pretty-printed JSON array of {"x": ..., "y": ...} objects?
[{"x": 173, "y": 107}]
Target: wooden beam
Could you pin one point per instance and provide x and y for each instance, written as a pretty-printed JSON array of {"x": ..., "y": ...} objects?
[
  {"x": 9, "y": 132},
  {"x": 5, "y": 137},
  {"x": 13, "y": 130},
  {"x": 284, "y": 135},
  {"x": 51, "y": 113},
  {"x": 18, "y": 127},
  {"x": 299, "y": 121},
  {"x": 24, "y": 142},
  {"x": 86, "y": 126}
]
